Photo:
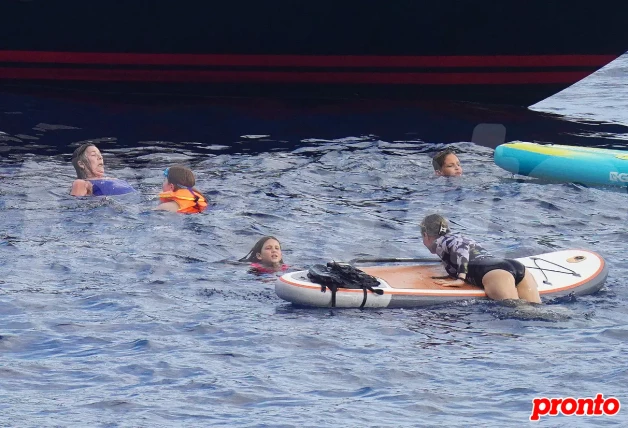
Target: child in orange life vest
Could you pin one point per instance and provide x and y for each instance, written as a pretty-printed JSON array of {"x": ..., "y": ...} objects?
[
  {"x": 447, "y": 164},
  {"x": 265, "y": 256},
  {"x": 179, "y": 194}
]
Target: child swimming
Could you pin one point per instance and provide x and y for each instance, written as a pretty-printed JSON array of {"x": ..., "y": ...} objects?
[
  {"x": 90, "y": 173},
  {"x": 447, "y": 164},
  {"x": 466, "y": 261},
  {"x": 178, "y": 192},
  {"x": 266, "y": 256}
]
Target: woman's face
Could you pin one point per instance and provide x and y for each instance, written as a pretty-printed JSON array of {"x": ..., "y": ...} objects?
[
  {"x": 270, "y": 254},
  {"x": 451, "y": 166},
  {"x": 95, "y": 167}
]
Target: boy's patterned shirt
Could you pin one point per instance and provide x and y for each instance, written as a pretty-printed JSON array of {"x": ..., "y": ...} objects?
[{"x": 456, "y": 251}]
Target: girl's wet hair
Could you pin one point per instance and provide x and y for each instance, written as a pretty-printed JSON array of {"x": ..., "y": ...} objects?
[
  {"x": 435, "y": 225},
  {"x": 79, "y": 155},
  {"x": 180, "y": 176},
  {"x": 439, "y": 159},
  {"x": 257, "y": 248}
]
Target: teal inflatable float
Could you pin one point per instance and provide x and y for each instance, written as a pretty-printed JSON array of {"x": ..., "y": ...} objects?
[{"x": 587, "y": 165}]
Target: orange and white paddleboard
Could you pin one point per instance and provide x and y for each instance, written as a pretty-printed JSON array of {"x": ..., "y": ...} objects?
[{"x": 557, "y": 274}]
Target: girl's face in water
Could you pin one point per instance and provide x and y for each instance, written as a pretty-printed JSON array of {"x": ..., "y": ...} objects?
[
  {"x": 270, "y": 254},
  {"x": 451, "y": 166}
]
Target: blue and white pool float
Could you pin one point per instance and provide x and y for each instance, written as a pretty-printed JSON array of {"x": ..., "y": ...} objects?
[{"x": 110, "y": 187}]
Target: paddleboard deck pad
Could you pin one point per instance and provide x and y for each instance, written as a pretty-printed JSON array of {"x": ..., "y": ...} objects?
[
  {"x": 587, "y": 165},
  {"x": 559, "y": 273}
]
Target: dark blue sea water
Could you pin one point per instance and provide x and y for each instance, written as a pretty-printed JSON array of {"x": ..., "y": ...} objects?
[{"x": 113, "y": 315}]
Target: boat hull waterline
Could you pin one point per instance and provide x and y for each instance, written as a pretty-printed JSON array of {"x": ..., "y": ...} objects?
[{"x": 473, "y": 51}]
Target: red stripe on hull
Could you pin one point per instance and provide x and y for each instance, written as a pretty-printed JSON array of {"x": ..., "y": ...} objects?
[
  {"x": 306, "y": 60},
  {"x": 196, "y": 76}
]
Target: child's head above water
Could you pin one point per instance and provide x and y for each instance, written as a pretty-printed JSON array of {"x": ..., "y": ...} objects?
[
  {"x": 88, "y": 162},
  {"x": 266, "y": 251},
  {"x": 178, "y": 177},
  {"x": 446, "y": 163}
]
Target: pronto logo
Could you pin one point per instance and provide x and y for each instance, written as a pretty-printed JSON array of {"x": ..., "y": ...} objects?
[
  {"x": 619, "y": 176},
  {"x": 597, "y": 406}
]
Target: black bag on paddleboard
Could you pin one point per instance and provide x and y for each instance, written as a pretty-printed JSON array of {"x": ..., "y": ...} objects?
[{"x": 341, "y": 275}]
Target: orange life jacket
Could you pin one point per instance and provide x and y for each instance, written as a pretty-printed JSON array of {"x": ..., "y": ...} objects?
[{"x": 189, "y": 201}]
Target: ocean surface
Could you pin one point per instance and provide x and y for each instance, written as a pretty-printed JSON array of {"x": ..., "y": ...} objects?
[{"x": 114, "y": 315}]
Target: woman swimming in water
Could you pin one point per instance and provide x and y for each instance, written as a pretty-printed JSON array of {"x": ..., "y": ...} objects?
[{"x": 90, "y": 174}]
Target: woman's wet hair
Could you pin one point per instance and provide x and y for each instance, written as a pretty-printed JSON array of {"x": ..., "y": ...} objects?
[
  {"x": 80, "y": 155},
  {"x": 439, "y": 159},
  {"x": 435, "y": 225},
  {"x": 257, "y": 248},
  {"x": 180, "y": 176}
]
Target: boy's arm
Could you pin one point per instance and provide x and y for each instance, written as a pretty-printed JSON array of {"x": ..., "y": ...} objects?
[{"x": 462, "y": 260}]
